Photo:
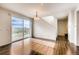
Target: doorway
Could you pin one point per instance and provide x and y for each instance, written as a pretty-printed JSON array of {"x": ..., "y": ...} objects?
[{"x": 63, "y": 27}]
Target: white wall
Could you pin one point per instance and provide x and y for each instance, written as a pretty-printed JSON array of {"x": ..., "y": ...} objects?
[
  {"x": 72, "y": 27},
  {"x": 77, "y": 28},
  {"x": 62, "y": 27},
  {"x": 5, "y": 25},
  {"x": 5, "y": 36},
  {"x": 42, "y": 29}
]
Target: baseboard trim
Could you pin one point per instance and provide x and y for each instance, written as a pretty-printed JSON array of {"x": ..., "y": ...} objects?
[
  {"x": 5, "y": 45},
  {"x": 44, "y": 39},
  {"x": 12, "y": 42}
]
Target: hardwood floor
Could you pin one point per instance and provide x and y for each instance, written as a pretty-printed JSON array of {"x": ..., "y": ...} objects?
[
  {"x": 5, "y": 50},
  {"x": 53, "y": 48},
  {"x": 77, "y": 50},
  {"x": 31, "y": 46},
  {"x": 17, "y": 48},
  {"x": 63, "y": 46}
]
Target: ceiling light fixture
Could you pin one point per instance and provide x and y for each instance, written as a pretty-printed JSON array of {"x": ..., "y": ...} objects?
[{"x": 36, "y": 16}]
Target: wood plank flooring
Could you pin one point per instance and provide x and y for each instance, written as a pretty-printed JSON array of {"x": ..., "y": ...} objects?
[{"x": 31, "y": 46}]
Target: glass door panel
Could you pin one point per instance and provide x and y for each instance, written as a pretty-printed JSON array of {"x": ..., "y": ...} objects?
[
  {"x": 17, "y": 28},
  {"x": 27, "y": 28}
]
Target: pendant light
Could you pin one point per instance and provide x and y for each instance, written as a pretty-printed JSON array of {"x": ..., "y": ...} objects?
[{"x": 36, "y": 16}]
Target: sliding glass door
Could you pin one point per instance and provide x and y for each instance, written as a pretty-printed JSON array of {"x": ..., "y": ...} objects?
[
  {"x": 27, "y": 28},
  {"x": 20, "y": 28}
]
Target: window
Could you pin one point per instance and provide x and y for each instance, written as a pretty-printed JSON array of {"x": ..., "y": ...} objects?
[
  {"x": 27, "y": 28},
  {"x": 20, "y": 28}
]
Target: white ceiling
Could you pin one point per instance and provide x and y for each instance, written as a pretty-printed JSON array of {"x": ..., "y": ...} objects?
[{"x": 57, "y": 10}]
